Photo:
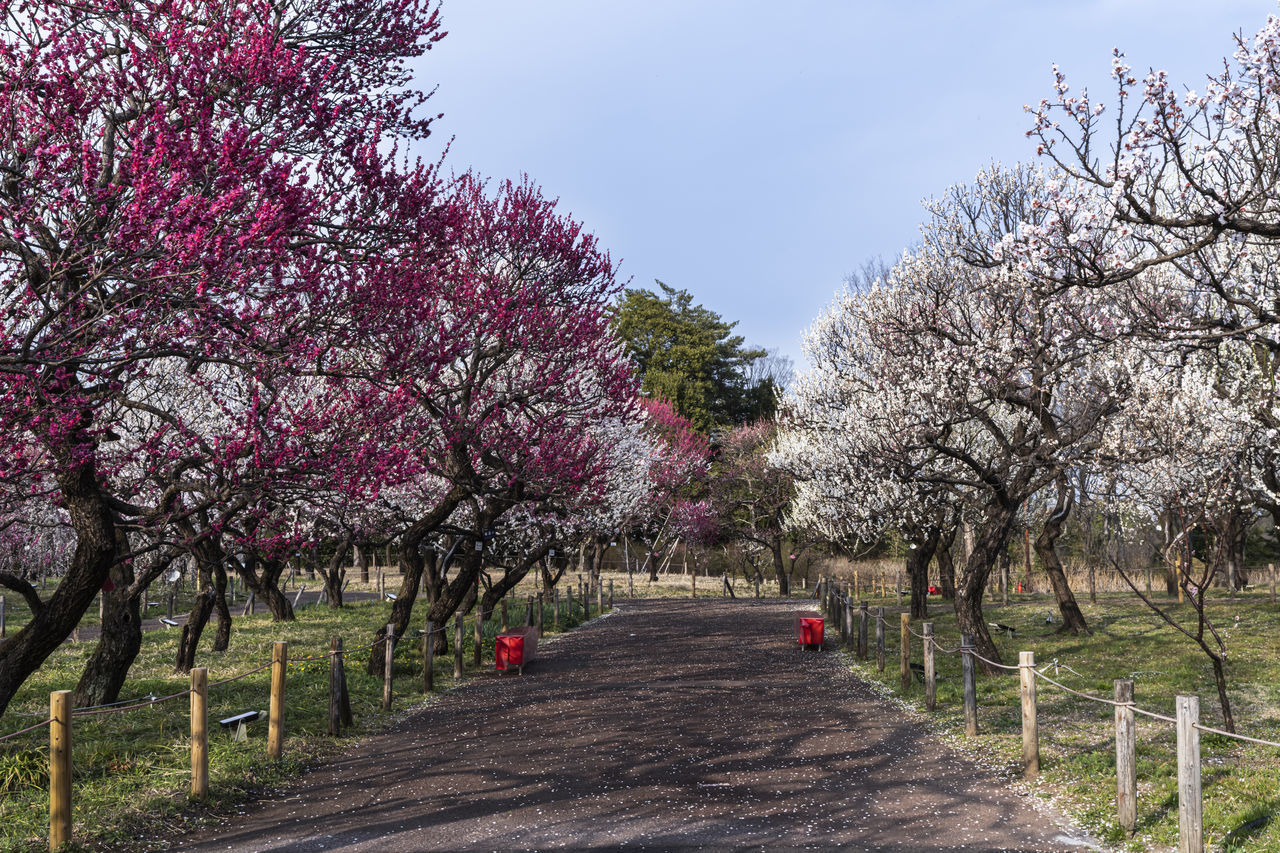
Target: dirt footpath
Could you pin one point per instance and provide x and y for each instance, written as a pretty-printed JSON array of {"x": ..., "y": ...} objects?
[{"x": 666, "y": 725}]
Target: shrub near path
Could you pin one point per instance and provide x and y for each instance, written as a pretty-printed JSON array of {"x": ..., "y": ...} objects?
[{"x": 669, "y": 724}]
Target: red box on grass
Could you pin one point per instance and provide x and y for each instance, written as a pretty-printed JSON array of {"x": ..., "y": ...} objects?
[
  {"x": 515, "y": 648},
  {"x": 808, "y": 627}
]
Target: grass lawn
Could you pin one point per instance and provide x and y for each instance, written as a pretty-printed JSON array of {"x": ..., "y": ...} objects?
[
  {"x": 132, "y": 769},
  {"x": 1241, "y": 781}
]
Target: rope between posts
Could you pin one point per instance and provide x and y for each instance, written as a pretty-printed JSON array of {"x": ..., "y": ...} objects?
[
  {"x": 27, "y": 729},
  {"x": 990, "y": 662},
  {"x": 1212, "y": 730},
  {"x": 241, "y": 675},
  {"x": 147, "y": 704}
]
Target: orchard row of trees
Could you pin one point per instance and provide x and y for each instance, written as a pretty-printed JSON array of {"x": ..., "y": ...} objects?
[
  {"x": 237, "y": 324},
  {"x": 1102, "y": 326}
]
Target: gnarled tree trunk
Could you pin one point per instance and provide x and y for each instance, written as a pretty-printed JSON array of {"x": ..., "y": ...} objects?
[
  {"x": 95, "y": 553},
  {"x": 1072, "y": 619},
  {"x": 988, "y": 539},
  {"x": 918, "y": 559},
  {"x": 104, "y": 673}
]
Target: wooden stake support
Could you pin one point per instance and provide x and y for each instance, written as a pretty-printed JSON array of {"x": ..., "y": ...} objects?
[
  {"x": 59, "y": 769},
  {"x": 1190, "y": 802},
  {"x": 199, "y": 733},
  {"x": 1030, "y": 734},
  {"x": 275, "y": 712},
  {"x": 1126, "y": 757}
]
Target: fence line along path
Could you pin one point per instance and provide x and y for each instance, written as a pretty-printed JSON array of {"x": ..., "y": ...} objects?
[{"x": 671, "y": 724}]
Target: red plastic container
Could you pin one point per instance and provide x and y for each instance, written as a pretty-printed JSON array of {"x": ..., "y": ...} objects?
[
  {"x": 809, "y": 628},
  {"x": 515, "y": 648}
]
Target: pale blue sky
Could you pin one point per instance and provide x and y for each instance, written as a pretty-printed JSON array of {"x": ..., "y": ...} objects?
[{"x": 754, "y": 153}]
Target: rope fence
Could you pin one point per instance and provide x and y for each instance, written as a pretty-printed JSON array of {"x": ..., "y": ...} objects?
[
  {"x": 839, "y": 605},
  {"x": 61, "y": 714}
]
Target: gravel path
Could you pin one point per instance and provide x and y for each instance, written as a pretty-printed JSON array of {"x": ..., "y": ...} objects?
[{"x": 666, "y": 725}]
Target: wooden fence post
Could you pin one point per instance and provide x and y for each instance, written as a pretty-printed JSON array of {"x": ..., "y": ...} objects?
[
  {"x": 863, "y": 613},
  {"x": 857, "y": 587},
  {"x": 693, "y": 584},
  {"x": 1030, "y": 734},
  {"x": 59, "y": 769},
  {"x": 1126, "y": 757},
  {"x": 199, "y": 733},
  {"x": 610, "y": 593},
  {"x": 904, "y": 647},
  {"x": 429, "y": 654},
  {"x": 970, "y": 689},
  {"x": 388, "y": 659},
  {"x": 335, "y": 686},
  {"x": 930, "y": 674},
  {"x": 275, "y": 712},
  {"x": 848, "y": 620},
  {"x": 879, "y": 639},
  {"x": 897, "y": 587},
  {"x": 477, "y": 636},
  {"x": 457, "y": 646},
  {"x": 568, "y": 596},
  {"x": 171, "y": 597},
  {"x": 1190, "y": 804}
]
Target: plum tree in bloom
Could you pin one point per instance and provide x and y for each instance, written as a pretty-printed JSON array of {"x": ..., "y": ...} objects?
[
  {"x": 983, "y": 382},
  {"x": 680, "y": 461},
  {"x": 162, "y": 198},
  {"x": 853, "y": 478},
  {"x": 503, "y": 357}
]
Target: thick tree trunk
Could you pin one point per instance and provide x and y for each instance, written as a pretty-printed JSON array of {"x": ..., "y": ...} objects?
[
  {"x": 780, "y": 569},
  {"x": 262, "y": 578},
  {"x": 362, "y": 556},
  {"x": 918, "y": 559},
  {"x": 221, "y": 637},
  {"x": 988, "y": 540},
  {"x": 946, "y": 564},
  {"x": 52, "y": 621},
  {"x": 1228, "y": 550},
  {"x": 335, "y": 572},
  {"x": 193, "y": 628},
  {"x": 1072, "y": 619},
  {"x": 432, "y": 575},
  {"x": 517, "y": 573},
  {"x": 411, "y": 568},
  {"x": 104, "y": 673}
]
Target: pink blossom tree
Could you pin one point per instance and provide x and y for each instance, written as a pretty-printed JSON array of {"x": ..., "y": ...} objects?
[{"x": 169, "y": 194}]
